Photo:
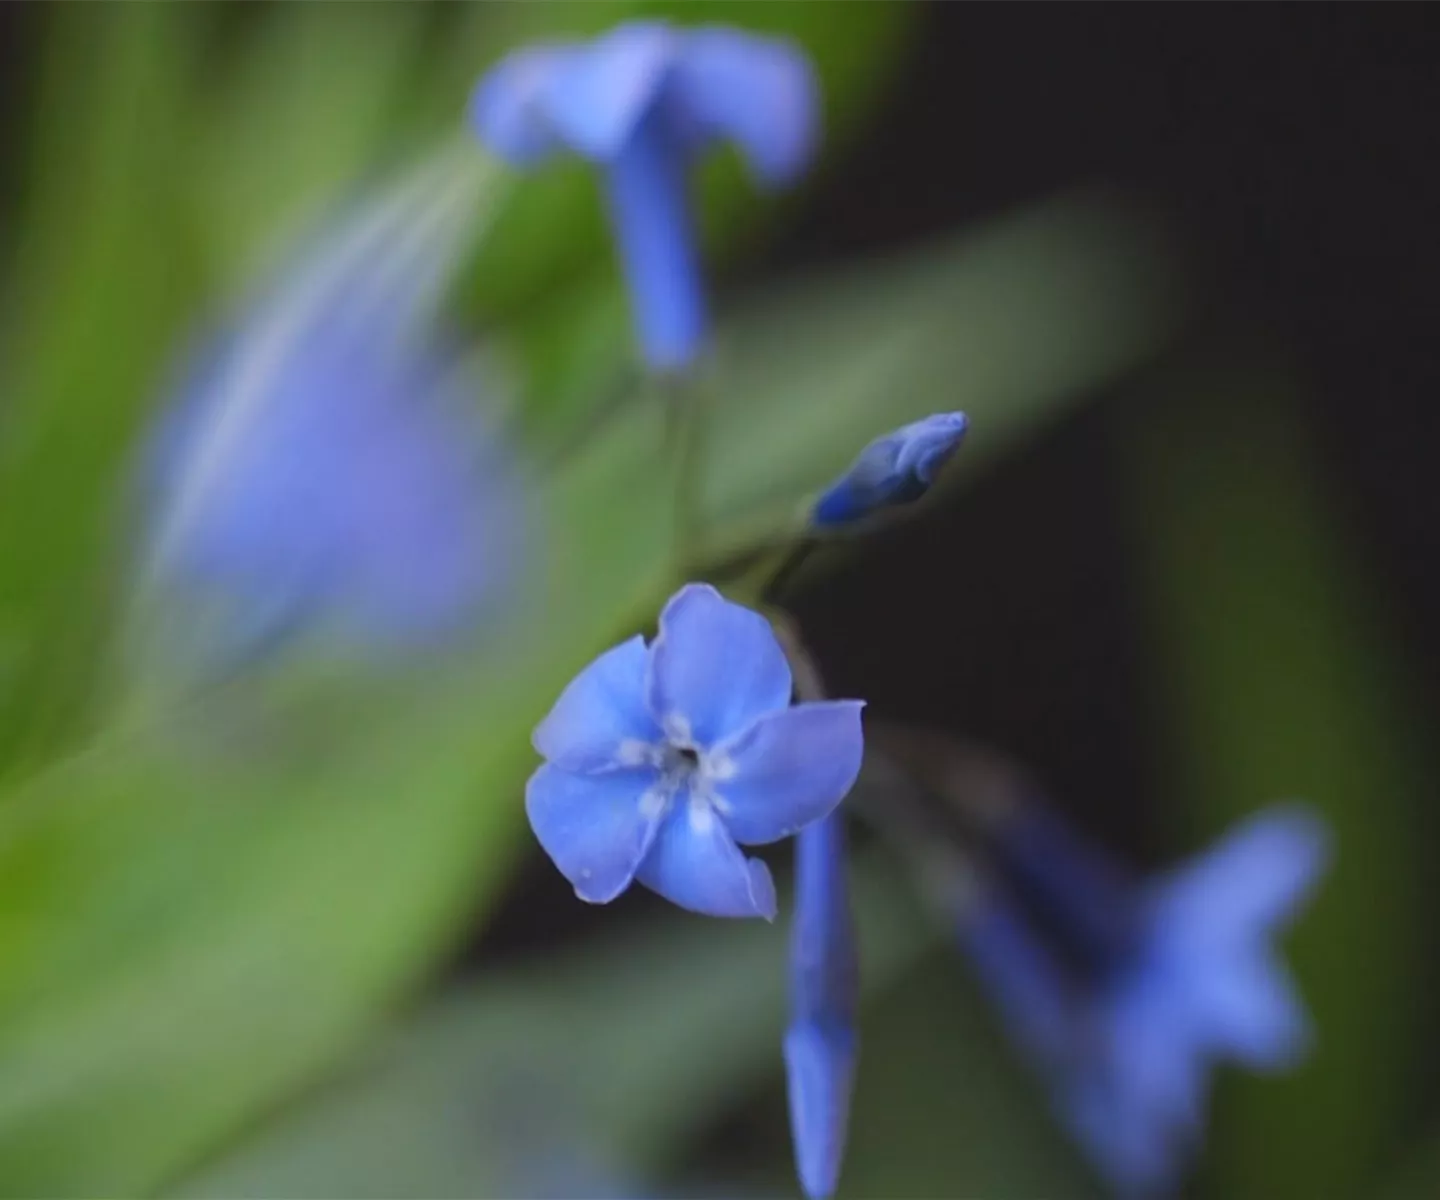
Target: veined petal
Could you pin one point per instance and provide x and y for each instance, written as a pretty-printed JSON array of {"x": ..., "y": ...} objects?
[
  {"x": 790, "y": 768},
  {"x": 694, "y": 863},
  {"x": 600, "y": 717},
  {"x": 507, "y": 109},
  {"x": 596, "y": 828},
  {"x": 759, "y": 92},
  {"x": 714, "y": 668},
  {"x": 820, "y": 1070},
  {"x": 604, "y": 93}
]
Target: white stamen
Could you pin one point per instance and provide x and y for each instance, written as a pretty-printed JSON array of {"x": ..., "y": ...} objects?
[
  {"x": 632, "y": 752},
  {"x": 702, "y": 817},
  {"x": 654, "y": 801}
]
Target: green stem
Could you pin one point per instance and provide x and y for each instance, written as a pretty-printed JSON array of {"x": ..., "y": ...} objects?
[{"x": 684, "y": 436}]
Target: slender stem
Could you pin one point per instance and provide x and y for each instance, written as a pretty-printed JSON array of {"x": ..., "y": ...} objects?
[
  {"x": 684, "y": 439},
  {"x": 772, "y": 592}
]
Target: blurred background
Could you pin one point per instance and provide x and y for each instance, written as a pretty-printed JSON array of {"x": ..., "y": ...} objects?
[{"x": 289, "y": 936}]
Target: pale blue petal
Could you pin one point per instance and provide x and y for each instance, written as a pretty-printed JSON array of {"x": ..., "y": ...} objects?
[
  {"x": 791, "y": 768},
  {"x": 602, "y": 708},
  {"x": 820, "y": 1073},
  {"x": 1254, "y": 880},
  {"x": 508, "y": 108},
  {"x": 758, "y": 92},
  {"x": 598, "y": 102},
  {"x": 1251, "y": 1010},
  {"x": 697, "y": 865},
  {"x": 715, "y": 666},
  {"x": 594, "y": 827}
]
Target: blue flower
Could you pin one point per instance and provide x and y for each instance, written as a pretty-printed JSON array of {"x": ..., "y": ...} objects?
[
  {"x": 325, "y": 466},
  {"x": 642, "y": 101},
  {"x": 661, "y": 758},
  {"x": 1126, "y": 995},
  {"x": 895, "y": 469},
  {"x": 821, "y": 1042}
]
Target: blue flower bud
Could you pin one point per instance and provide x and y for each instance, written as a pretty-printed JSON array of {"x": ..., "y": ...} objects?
[
  {"x": 892, "y": 470},
  {"x": 821, "y": 1041}
]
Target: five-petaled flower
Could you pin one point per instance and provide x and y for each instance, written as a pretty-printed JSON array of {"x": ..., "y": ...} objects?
[
  {"x": 1124, "y": 994},
  {"x": 642, "y": 101},
  {"x": 661, "y": 758},
  {"x": 895, "y": 469}
]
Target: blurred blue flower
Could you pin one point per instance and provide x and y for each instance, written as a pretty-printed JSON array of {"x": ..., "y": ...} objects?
[
  {"x": 326, "y": 465},
  {"x": 642, "y": 101},
  {"x": 1125, "y": 994},
  {"x": 821, "y": 1042},
  {"x": 895, "y": 469},
  {"x": 661, "y": 758}
]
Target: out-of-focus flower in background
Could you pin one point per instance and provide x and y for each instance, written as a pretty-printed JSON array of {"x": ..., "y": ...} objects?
[
  {"x": 821, "y": 1041},
  {"x": 1125, "y": 994},
  {"x": 329, "y": 465},
  {"x": 642, "y": 101},
  {"x": 895, "y": 469},
  {"x": 661, "y": 758}
]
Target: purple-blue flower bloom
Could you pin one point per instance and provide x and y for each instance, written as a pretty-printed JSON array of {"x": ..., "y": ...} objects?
[
  {"x": 661, "y": 758},
  {"x": 895, "y": 469},
  {"x": 821, "y": 1042},
  {"x": 1125, "y": 994},
  {"x": 642, "y": 101},
  {"x": 326, "y": 465}
]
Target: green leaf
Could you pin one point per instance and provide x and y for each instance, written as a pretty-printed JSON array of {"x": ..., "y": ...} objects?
[
  {"x": 104, "y": 272},
  {"x": 614, "y": 1054},
  {"x": 199, "y": 913}
]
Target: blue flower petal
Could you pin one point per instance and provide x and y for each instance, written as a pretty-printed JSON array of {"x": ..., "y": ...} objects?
[
  {"x": 1251, "y": 1010},
  {"x": 1134, "y": 1149},
  {"x": 791, "y": 768},
  {"x": 596, "y": 828},
  {"x": 697, "y": 865},
  {"x": 599, "y": 100},
  {"x": 759, "y": 92},
  {"x": 714, "y": 668},
  {"x": 820, "y": 1070},
  {"x": 508, "y": 108},
  {"x": 601, "y": 710},
  {"x": 1252, "y": 881}
]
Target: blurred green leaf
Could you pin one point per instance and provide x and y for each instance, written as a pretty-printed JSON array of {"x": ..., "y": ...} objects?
[
  {"x": 104, "y": 273},
  {"x": 297, "y": 114},
  {"x": 1280, "y": 682},
  {"x": 484, "y": 1093},
  {"x": 199, "y": 913}
]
